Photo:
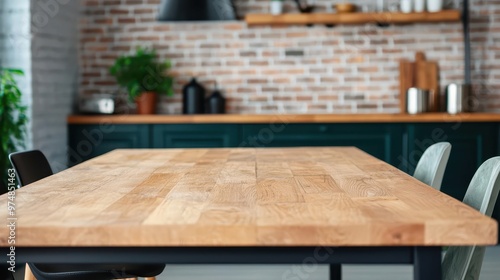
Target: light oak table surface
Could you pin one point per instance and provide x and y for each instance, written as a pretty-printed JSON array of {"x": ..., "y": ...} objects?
[{"x": 304, "y": 196}]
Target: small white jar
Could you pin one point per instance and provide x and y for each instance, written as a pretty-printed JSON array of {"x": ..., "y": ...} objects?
[
  {"x": 419, "y": 6},
  {"x": 406, "y": 6},
  {"x": 434, "y": 6},
  {"x": 276, "y": 7}
]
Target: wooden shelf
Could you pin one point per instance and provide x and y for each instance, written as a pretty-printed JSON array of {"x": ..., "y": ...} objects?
[
  {"x": 290, "y": 118},
  {"x": 354, "y": 18}
]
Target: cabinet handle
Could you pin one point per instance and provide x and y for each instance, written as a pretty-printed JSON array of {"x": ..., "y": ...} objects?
[{"x": 323, "y": 128}]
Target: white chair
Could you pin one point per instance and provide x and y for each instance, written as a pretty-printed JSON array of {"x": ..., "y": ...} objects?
[
  {"x": 462, "y": 263},
  {"x": 431, "y": 166}
]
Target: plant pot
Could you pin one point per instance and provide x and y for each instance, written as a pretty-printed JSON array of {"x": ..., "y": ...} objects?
[
  {"x": 146, "y": 103},
  {"x": 276, "y": 7}
]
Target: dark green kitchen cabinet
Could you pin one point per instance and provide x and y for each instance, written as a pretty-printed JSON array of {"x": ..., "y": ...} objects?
[
  {"x": 195, "y": 136},
  {"x": 472, "y": 144},
  {"x": 383, "y": 141},
  {"x": 88, "y": 141}
]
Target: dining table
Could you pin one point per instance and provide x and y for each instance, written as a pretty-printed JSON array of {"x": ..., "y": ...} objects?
[{"x": 307, "y": 206}]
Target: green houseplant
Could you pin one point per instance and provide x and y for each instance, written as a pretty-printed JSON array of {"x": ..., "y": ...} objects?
[
  {"x": 13, "y": 119},
  {"x": 143, "y": 77}
]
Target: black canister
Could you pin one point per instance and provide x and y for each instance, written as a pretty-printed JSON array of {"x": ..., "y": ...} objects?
[
  {"x": 193, "y": 98},
  {"x": 216, "y": 103}
]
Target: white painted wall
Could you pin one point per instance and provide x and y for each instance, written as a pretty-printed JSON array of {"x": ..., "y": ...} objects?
[
  {"x": 54, "y": 75},
  {"x": 15, "y": 46},
  {"x": 40, "y": 37}
]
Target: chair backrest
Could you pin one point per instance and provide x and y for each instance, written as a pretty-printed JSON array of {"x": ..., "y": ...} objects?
[
  {"x": 3, "y": 188},
  {"x": 431, "y": 166},
  {"x": 465, "y": 262},
  {"x": 30, "y": 166}
]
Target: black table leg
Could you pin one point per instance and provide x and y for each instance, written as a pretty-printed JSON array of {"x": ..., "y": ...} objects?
[
  {"x": 335, "y": 272},
  {"x": 427, "y": 263}
]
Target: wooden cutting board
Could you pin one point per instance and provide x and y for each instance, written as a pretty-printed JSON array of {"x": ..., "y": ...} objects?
[
  {"x": 406, "y": 81},
  {"x": 421, "y": 74}
]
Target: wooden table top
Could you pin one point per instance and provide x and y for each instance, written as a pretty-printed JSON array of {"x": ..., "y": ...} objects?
[
  {"x": 240, "y": 197},
  {"x": 286, "y": 118}
]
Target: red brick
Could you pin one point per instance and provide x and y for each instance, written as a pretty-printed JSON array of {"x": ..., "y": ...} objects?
[
  {"x": 118, "y": 12},
  {"x": 143, "y": 11},
  {"x": 126, "y": 20},
  {"x": 92, "y": 30}
]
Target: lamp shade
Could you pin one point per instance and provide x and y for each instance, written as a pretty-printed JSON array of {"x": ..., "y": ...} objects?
[{"x": 196, "y": 10}]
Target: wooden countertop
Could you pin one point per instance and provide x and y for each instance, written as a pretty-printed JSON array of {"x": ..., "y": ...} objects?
[
  {"x": 285, "y": 118},
  {"x": 326, "y": 196}
]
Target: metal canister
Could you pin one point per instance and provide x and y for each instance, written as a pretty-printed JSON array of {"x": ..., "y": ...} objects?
[
  {"x": 457, "y": 96},
  {"x": 417, "y": 101}
]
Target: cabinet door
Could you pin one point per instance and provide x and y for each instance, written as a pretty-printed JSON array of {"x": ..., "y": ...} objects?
[
  {"x": 88, "y": 141},
  {"x": 472, "y": 144},
  {"x": 195, "y": 136},
  {"x": 381, "y": 140}
]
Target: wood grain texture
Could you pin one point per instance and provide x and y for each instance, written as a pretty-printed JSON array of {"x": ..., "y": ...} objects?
[
  {"x": 241, "y": 197},
  {"x": 427, "y": 77},
  {"x": 278, "y": 119},
  {"x": 28, "y": 275},
  {"x": 352, "y": 18},
  {"x": 406, "y": 81}
]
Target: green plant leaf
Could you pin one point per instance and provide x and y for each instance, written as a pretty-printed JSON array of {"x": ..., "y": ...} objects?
[
  {"x": 13, "y": 117},
  {"x": 142, "y": 72}
]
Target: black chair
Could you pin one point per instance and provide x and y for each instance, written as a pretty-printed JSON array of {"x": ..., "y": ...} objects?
[{"x": 32, "y": 166}]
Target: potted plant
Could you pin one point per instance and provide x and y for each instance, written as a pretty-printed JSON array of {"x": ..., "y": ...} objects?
[
  {"x": 13, "y": 120},
  {"x": 144, "y": 78},
  {"x": 276, "y": 7}
]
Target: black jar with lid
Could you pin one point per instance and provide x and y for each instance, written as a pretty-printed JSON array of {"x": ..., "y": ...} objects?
[
  {"x": 216, "y": 103},
  {"x": 193, "y": 98}
]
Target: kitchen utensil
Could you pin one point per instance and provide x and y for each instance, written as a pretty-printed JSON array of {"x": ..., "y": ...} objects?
[
  {"x": 417, "y": 101},
  {"x": 421, "y": 74},
  {"x": 193, "y": 98},
  {"x": 427, "y": 77},
  {"x": 457, "y": 97},
  {"x": 344, "y": 8},
  {"x": 406, "y": 81}
]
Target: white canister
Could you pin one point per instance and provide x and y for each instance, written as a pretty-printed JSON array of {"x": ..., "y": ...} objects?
[
  {"x": 419, "y": 6},
  {"x": 406, "y": 6},
  {"x": 276, "y": 7},
  {"x": 434, "y": 6}
]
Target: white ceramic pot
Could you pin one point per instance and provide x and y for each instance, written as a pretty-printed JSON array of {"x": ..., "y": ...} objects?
[
  {"x": 276, "y": 7},
  {"x": 406, "y": 6},
  {"x": 419, "y": 6},
  {"x": 434, "y": 6}
]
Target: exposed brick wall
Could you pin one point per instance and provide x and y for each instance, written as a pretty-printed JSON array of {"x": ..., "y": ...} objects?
[{"x": 294, "y": 69}]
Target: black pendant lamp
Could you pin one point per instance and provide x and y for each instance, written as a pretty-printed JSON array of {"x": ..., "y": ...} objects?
[{"x": 196, "y": 10}]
